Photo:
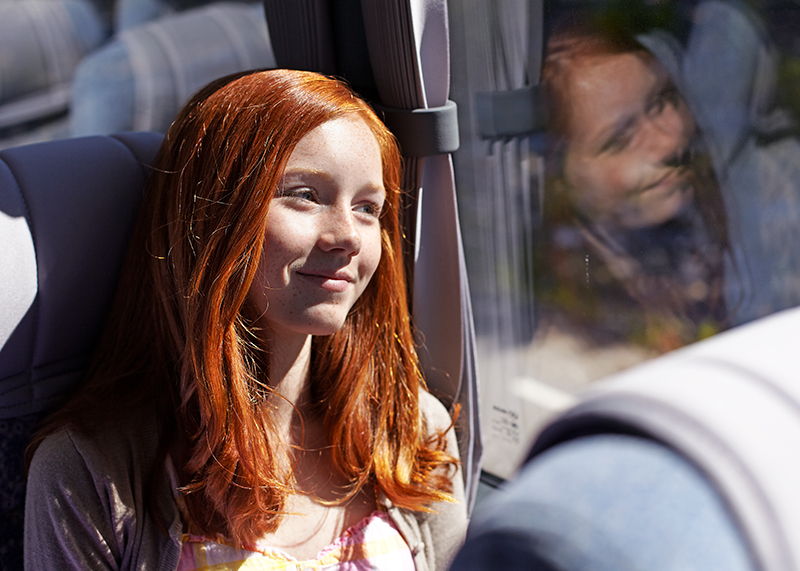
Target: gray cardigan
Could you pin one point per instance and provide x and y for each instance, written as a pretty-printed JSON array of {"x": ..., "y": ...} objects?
[{"x": 87, "y": 506}]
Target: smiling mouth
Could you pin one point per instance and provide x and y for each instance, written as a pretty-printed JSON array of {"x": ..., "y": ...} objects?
[
  {"x": 333, "y": 282},
  {"x": 673, "y": 180}
]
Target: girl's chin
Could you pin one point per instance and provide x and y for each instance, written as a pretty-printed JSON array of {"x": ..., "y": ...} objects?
[
  {"x": 314, "y": 327},
  {"x": 322, "y": 328}
]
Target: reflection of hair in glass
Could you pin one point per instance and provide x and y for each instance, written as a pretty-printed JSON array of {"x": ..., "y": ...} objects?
[
  {"x": 574, "y": 38},
  {"x": 180, "y": 338},
  {"x": 674, "y": 270}
]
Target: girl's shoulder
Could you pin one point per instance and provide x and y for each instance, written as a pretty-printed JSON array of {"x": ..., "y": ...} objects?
[
  {"x": 88, "y": 496},
  {"x": 131, "y": 439},
  {"x": 433, "y": 412},
  {"x": 115, "y": 461}
]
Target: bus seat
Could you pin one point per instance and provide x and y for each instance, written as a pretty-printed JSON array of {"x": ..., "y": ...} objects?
[
  {"x": 684, "y": 462},
  {"x": 140, "y": 79},
  {"x": 605, "y": 502},
  {"x": 66, "y": 210},
  {"x": 131, "y": 13},
  {"x": 41, "y": 42}
]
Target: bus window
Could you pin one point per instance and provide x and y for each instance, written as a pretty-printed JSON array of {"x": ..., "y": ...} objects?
[{"x": 657, "y": 204}]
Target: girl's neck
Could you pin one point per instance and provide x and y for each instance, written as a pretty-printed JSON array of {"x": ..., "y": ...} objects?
[{"x": 289, "y": 375}]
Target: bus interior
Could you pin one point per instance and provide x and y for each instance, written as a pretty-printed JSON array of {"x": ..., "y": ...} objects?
[{"x": 595, "y": 188}]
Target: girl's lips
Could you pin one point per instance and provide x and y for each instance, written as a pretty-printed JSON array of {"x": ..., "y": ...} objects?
[
  {"x": 667, "y": 187},
  {"x": 659, "y": 202},
  {"x": 671, "y": 179},
  {"x": 333, "y": 282}
]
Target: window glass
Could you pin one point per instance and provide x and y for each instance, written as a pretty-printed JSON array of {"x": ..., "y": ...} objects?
[{"x": 656, "y": 203}]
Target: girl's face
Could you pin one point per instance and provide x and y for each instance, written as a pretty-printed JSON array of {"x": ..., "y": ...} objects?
[
  {"x": 629, "y": 134},
  {"x": 323, "y": 237}
]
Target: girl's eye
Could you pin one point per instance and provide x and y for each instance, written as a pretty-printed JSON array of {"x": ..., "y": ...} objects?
[
  {"x": 668, "y": 96},
  {"x": 299, "y": 193},
  {"x": 371, "y": 208},
  {"x": 618, "y": 142}
]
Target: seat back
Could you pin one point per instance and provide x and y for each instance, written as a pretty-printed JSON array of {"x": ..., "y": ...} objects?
[
  {"x": 66, "y": 211},
  {"x": 730, "y": 406},
  {"x": 142, "y": 77},
  {"x": 42, "y": 42}
]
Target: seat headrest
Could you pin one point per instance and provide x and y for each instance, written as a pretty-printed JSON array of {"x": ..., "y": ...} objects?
[{"x": 66, "y": 212}]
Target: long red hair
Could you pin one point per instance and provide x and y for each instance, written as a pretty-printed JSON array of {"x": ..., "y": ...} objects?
[{"x": 181, "y": 318}]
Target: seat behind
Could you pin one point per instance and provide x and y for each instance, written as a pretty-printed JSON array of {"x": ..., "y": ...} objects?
[
  {"x": 66, "y": 211},
  {"x": 142, "y": 77}
]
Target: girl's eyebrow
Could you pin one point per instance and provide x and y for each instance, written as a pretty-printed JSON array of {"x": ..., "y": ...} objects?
[
  {"x": 300, "y": 172},
  {"x": 611, "y": 134}
]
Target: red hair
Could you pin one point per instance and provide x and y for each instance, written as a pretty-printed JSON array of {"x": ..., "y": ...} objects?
[{"x": 181, "y": 317}]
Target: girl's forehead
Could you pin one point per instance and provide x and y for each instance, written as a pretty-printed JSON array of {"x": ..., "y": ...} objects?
[
  {"x": 340, "y": 138},
  {"x": 605, "y": 86}
]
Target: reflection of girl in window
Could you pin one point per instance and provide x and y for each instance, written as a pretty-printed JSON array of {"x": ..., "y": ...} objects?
[
  {"x": 256, "y": 392},
  {"x": 635, "y": 224}
]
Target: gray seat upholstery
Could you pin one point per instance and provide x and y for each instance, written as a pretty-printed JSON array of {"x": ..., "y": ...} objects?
[
  {"x": 66, "y": 211},
  {"x": 143, "y": 76},
  {"x": 41, "y": 43},
  {"x": 131, "y": 13}
]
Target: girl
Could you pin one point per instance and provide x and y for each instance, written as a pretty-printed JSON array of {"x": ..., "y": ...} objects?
[{"x": 256, "y": 398}]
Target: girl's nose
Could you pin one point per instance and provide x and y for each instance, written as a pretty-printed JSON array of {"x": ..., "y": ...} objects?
[{"x": 340, "y": 231}]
